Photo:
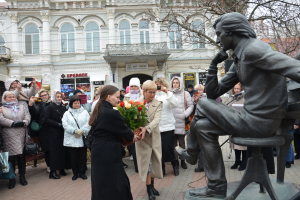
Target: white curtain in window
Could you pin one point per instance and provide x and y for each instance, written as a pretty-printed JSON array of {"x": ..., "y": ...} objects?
[
  {"x": 2, "y": 47},
  {"x": 67, "y": 37},
  {"x": 175, "y": 37},
  {"x": 124, "y": 28},
  {"x": 92, "y": 37},
  {"x": 198, "y": 42},
  {"x": 144, "y": 32},
  {"x": 32, "y": 39}
]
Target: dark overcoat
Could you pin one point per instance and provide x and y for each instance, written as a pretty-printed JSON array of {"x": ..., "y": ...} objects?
[
  {"x": 53, "y": 115},
  {"x": 36, "y": 114},
  {"x": 109, "y": 180}
]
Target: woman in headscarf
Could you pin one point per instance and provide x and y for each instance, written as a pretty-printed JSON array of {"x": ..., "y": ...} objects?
[
  {"x": 53, "y": 122},
  {"x": 35, "y": 109},
  {"x": 14, "y": 120}
]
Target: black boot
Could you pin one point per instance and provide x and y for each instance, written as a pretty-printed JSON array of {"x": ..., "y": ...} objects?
[
  {"x": 288, "y": 165},
  {"x": 236, "y": 164},
  {"x": 155, "y": 192},
  {"x": 53, "y": 175},
  {"x": 163, "y": 169},
  {"x": 62, "y": 172},
  {"x": 22, "y": 169},
  {"x": 175, "y": 165},
  {"x": 12, "y": 183},
  {"x": 183, "y": 164},
  {"x": 244, "y": 161},
  {"x": 150, "y": 192}
]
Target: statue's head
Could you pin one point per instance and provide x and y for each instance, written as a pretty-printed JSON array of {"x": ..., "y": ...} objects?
[{"x": 230, "y": 25}]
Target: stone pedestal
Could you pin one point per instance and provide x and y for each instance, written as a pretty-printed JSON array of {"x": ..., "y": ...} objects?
[{"x": 283, "y": 191}]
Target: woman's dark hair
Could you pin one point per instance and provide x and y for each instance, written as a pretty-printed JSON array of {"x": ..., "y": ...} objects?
[
  {"x": 107, "y": 90},
  {"x": 73, "y": 99}
]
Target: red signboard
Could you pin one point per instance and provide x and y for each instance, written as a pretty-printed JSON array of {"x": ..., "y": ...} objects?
[{"x": 74, "y": 75}]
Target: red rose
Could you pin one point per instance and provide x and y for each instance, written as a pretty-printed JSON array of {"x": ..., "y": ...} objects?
[
  {"x": 122, "y": 104},
  {"x": 140, "y": 108},
  {"x": 145, "y": 102}
]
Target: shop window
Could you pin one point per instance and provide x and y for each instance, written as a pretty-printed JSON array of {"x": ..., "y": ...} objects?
[
  {"x": 32, "y": 39},
  {"x": 67, "y": 37},
  {"x": 69, "y": 85},
  {"x": 189, "y": 78},
  {"x": 197, "y": 41},
  {"x": 202, "y": 78},
  {"x": 144, "y": 32},
  {"x": 124, "y": 28},
  {"x": 92, "y": 37},
  {"x": 2, "y": 45},
  {"x": 175, "y": 37}
]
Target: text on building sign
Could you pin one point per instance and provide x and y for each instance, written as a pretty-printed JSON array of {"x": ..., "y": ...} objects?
[{"x": 74, "y": 75}]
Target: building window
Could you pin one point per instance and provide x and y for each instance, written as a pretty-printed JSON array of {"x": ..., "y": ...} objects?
[
  {"x": 2, "y": 45},
  {"x": 68, "y": 86},
  {"x": 67, "y": 37},
  {"x": 144, "y": 32},
  {"x": 32, "y": 39},
  {"x": 202, "y": 78},
  {"x": 198, "y": 42},
  {"x": 92, "y": 37},
  {"x": 175, "y": 37},
  {"x": 124, "y": 28}
]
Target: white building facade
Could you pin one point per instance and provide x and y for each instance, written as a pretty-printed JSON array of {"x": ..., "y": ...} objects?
[{"x": 84, "y": 44}]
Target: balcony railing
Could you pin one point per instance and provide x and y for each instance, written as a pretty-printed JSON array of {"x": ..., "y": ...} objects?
[
  {"x": 136, "y": 49},
  {"x": 4, "y": 53}
]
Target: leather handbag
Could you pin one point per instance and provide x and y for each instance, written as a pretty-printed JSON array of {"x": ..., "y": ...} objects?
[
  {"x": 188, "y": 120},
  {"x": 30, "y": 148},
  {"x": 87, "y": 143}
]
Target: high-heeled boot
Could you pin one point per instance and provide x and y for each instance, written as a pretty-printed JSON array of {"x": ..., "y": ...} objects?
[
  {"x": 155, "y": 192},
  {"x": 22, "y": 169},
  {"x": 150, "y": 192},
  {"x": 12, "y": 183},
  {"x": 53, "y": 175}
]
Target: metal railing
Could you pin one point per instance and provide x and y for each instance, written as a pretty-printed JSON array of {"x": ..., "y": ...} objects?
[{"x": 136, "y": 49}]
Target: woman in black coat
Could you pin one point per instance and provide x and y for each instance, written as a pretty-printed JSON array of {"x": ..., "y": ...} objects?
[
  {"x": 35, "y": 109},
  {"x": 109, "y": 180},
  {"x": 53, "y": 115}
]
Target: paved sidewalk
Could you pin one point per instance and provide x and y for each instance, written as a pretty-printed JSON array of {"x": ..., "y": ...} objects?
[{"x": 40, "y": 187}]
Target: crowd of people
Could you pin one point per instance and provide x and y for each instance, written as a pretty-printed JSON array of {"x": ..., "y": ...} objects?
[{"x": 58, "y": 131}]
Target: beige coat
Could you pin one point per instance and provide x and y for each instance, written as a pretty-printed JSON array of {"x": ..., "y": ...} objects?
[
  {"x": 240, "y": 100},
  {"x": 150, "y": 146}
]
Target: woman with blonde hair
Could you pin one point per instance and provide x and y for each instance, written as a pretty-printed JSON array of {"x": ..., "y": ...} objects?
[
  {"x": 237, "y": 148},
  {"x": 148, "y": 149},
  {"x": 167, "y": 123}
]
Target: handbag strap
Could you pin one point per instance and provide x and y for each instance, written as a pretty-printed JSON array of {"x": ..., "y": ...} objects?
[
  {"x": 74, "y": 119},
  {"x": 184, "y": 100}
]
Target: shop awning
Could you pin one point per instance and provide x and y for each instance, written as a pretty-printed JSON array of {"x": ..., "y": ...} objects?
[{"x": 97, "y": 77}]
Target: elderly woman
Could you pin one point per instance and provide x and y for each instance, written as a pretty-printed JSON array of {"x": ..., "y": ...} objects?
[
  {"x": 135, "y": 94},
  {"x": 36, "y": 109},
  {"x": 85, "y": 106},
  {"x": 53, "y": 123},
  {"x": 183, "y": 110},
  {"x": 238, "y": 150},
  {"x": 167, "y": 123},
  {"x": 14, "y": 120},
  {"x": 148, "y": 150},
  {"x": 75, "y": 123}
]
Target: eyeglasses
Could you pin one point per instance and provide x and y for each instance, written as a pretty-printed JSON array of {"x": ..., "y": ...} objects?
[
  {"x": 152, "y": 93},
  {"x": 44, "y": 95}
]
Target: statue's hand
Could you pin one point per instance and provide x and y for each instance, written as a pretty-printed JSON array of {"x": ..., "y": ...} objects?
[{"x": 220, "y": 57}]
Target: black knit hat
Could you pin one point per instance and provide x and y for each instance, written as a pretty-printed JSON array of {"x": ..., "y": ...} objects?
[
  {"x": 77, "y": 91},
  {"x": 190, "y": 85}
]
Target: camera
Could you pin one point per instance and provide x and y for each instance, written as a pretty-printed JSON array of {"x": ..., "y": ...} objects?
[
  {"x": 24, "y": 85},
  {"x": 158, "y": 87}
]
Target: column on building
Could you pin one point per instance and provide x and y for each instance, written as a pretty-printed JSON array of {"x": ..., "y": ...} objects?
[
  {"x": 111, "y": 25},
  {"x": 46, "y": 48},
  {"x": 79, "y": 43},
  {"x": 15, "y": 51}
]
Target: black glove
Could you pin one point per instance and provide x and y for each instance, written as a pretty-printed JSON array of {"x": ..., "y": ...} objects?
[{"x": 18, "y": 124}]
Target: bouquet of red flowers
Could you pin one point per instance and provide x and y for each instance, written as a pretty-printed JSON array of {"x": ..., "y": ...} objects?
[{"x": 135, "y": 116}]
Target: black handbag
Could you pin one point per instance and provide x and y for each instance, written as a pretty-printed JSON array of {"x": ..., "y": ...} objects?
[
  {"x": 86, "y": 142},
  {"x": 30, "y": 148}
]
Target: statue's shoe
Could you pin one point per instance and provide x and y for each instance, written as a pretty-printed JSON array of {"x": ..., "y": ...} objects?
[
  {"x": 183, "y": 155},
  {"x": 206, "y": 192}
]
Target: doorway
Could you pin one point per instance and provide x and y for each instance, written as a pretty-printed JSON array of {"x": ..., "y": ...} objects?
[{"x": 142, "y": 77}]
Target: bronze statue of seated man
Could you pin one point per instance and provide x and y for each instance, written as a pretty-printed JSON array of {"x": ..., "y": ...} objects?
[{"x": 262, "y": 73}]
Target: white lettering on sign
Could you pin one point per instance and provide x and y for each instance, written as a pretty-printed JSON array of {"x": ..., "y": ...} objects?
[{"x": 75, "y": 75}]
